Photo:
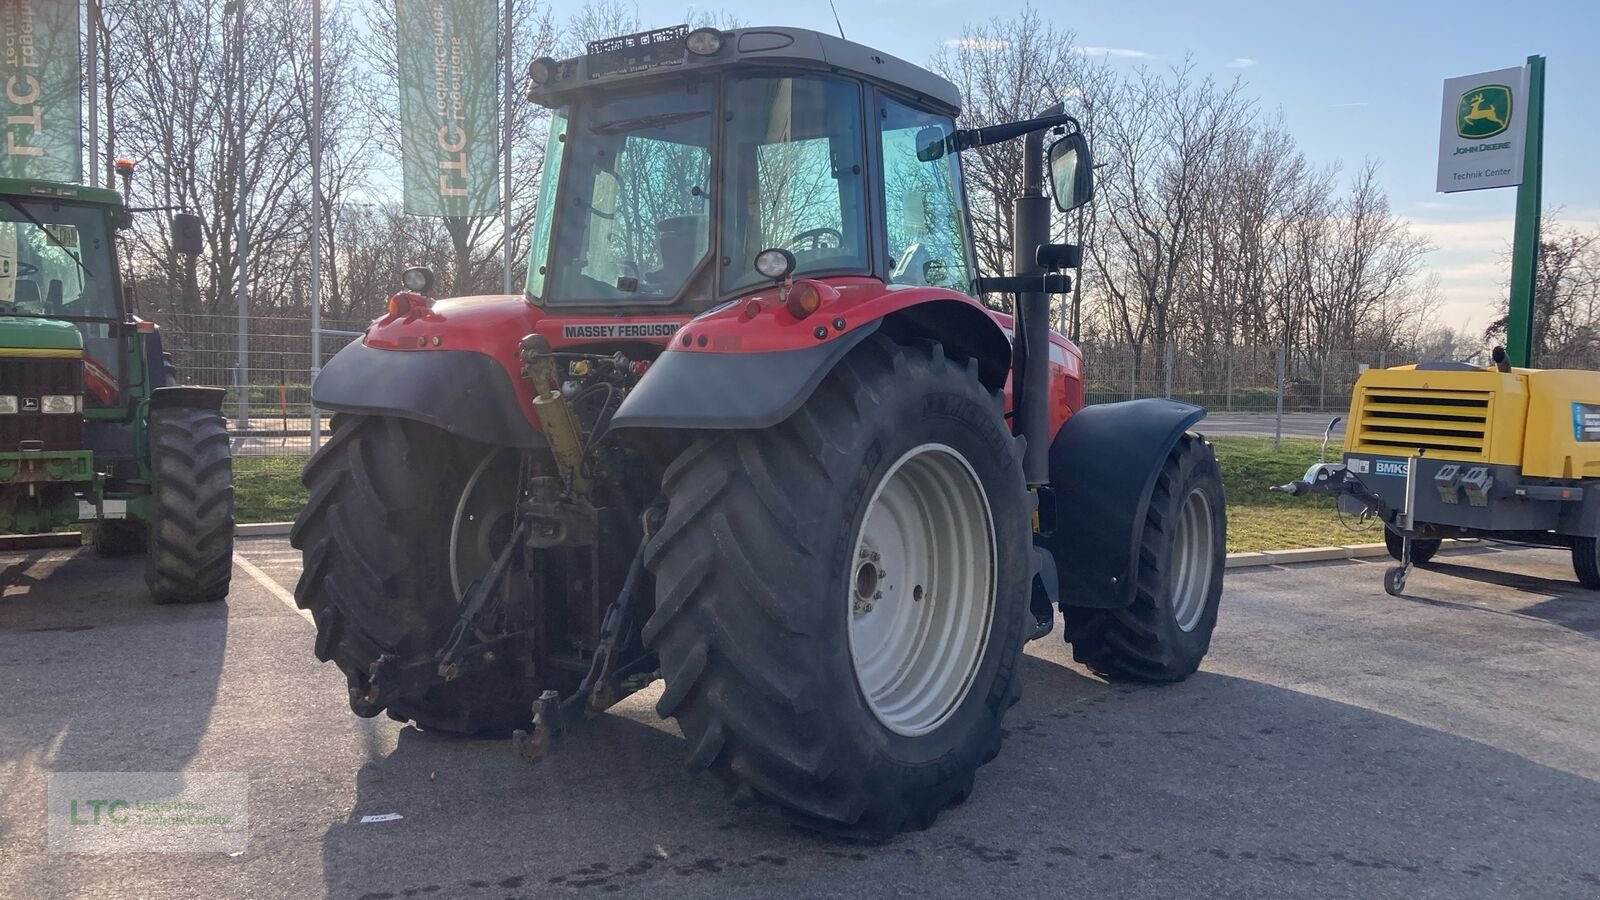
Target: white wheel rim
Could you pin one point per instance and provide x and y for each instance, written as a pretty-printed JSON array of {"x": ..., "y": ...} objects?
[
  {"x": 919, "y": 590},
  {"x": 1193, "y": 560},
  {"x": 480, "y": 526}
]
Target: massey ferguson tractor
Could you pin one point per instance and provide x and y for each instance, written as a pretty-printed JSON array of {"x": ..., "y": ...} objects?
[
  {"x": 750, "y": 430},
  {"x": 91, "y": 418}
]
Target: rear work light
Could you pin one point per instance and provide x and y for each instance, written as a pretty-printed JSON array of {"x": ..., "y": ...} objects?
[{"x": 703, "y": 42}]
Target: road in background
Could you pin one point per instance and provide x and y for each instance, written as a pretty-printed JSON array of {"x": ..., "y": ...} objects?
[{"x": 1338, "y": 743}]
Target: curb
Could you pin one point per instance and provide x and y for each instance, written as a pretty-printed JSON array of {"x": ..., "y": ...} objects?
[
  {"x": 262, "y": 529},
  {"x": 1233, "y": 561},
  {"x": 1312, "y": 554}
]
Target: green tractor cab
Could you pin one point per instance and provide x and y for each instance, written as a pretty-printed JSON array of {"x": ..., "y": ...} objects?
[{"x": 92, "y": 422}]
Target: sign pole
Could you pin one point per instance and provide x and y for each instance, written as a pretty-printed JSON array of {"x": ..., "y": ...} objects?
[
  {"x": 1525, "y": 243},
  {"x": 315, "y": 422},
  {"x": 505, "y": 115},
  {"x": 93, "y": 56}
]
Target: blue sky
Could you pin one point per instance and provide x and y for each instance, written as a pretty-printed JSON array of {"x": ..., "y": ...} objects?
[{"x": 1355, "y": 80}]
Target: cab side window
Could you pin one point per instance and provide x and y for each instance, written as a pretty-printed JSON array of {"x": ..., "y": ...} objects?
[{"x": 922, "y": 201}]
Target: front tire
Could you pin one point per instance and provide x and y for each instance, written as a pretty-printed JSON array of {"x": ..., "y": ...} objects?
[
  {"x": 377, "y": 576},
  {"x": 1165, "y": 633},
  {"x": 190, "y": 553},
  {"x": 780, "y": 684}
]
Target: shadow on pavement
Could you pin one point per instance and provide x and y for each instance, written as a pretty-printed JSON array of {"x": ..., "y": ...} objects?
[
  {"x": 86, "y": 660},
  {"x": 1564, "y": 603},
  {"x": 1265, "y": 790}
]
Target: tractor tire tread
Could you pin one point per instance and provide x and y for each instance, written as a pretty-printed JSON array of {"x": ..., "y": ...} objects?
[
  {"x": 1128, "y": 644},
  {"x": 190, "y": 544},
  {"x": 735, "y": 636},
  {"x": 369, "y": 580}
]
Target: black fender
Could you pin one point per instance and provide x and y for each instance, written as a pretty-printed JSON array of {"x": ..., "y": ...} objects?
[
  {"x": 463, "y": 392},
  {"x": 188, "y": 397},
  {"x": 162, "y": 373},
  {"x": 1103, "y": 468},
  {"x": 691, "y": 389}
]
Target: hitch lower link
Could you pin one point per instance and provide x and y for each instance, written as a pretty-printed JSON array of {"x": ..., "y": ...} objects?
[{"x": 602, "y": 686}]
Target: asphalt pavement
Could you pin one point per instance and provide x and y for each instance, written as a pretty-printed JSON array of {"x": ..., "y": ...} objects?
[
  {"x": 1337, "y": 743},
  {"x": 1255, "y": 424}
]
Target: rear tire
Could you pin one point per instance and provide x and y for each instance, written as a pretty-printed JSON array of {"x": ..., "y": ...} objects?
[
  {"x": 1166, "y": 631},
  {"x": 1585, "y": 561},
  {"x": 375, "y": 534},
  {"x": 190, "y": 553},
  {"x": 1422, "y": 549},
  {"x": 767, "y": 617}
]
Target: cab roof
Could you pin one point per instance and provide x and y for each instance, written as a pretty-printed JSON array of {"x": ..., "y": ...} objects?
[
  {"x": 636, "y": 57},
  {"x": 56, "y": 190}
]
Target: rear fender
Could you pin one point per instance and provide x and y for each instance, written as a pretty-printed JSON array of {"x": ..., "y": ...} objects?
[
  {"x": 463, "y": 392},
  {"x": 731, "y": 369},
  {"x": 188, "y": 397},
  {"x": 1103, "y": 468}
]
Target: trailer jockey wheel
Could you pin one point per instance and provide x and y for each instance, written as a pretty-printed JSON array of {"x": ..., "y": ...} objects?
[{"x": 1394, "y": 581}]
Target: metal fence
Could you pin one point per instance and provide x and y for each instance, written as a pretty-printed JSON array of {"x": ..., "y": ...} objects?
[
  {"x": 269, "y": 396},
  {"x": 1249, "y": 378},
  {"x": 273, "y": 417}
]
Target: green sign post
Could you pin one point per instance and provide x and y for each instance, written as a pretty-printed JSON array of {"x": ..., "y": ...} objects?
[{"x": 1525, "y": 243}]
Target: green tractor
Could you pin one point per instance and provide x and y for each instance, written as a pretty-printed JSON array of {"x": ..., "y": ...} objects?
[{"x": 92, "y": 421}]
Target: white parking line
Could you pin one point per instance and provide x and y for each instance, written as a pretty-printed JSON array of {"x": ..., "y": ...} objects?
[{"x": 272, "y": 587}]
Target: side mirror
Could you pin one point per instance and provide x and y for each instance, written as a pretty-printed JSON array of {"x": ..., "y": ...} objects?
[
  {"x": 188, "y": 234},
  {"x": 1072, "y": 171}
]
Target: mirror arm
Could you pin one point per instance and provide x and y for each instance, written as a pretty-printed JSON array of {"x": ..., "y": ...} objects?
[{"x": 968, "y": 138}]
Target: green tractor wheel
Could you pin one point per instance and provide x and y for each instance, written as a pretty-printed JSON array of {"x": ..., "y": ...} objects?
[{"x": 190, "y": 554}]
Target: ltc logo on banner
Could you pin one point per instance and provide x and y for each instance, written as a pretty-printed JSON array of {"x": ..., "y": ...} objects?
[
  {"x": 40, "y": 82},
  {"x": 1483, "y": 130},
  {"x": 449, "y": 106}
]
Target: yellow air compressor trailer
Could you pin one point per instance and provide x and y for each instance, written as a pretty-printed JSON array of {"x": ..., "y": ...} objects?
[{"x": 1441, "y": 450}]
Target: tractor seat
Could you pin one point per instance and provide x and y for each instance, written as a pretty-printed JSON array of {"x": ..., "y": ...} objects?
[{"x": 27, "y": 296}]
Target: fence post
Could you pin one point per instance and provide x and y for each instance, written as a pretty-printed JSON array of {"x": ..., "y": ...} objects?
[
  {"x": 1383, "y": 359},
  {"x": 1168, "y": 354},
  {"x": 1133, "y": 376},
  {"x": 1277, "y": 429},
  {"x": 1230, "y": 379},
  {"x": 1322, "y": 384}
]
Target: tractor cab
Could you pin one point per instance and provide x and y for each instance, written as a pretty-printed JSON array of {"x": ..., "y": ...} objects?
[
  {"x": 677, "y": 157},
  {"x": 58, "y": 265}
]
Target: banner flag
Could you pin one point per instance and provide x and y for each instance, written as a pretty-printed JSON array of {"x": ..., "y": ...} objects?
[
  {"x": 41, "y": 117},
  {"x": 449, "y": 106}
]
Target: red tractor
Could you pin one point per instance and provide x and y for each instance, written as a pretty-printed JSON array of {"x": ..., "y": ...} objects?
[{"x": 750, "y": 430}]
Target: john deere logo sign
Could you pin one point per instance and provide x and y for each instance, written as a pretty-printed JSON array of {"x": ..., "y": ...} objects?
[
  {"x": 1483, "y": 125},
  {"x": 1484, "y": 111}
]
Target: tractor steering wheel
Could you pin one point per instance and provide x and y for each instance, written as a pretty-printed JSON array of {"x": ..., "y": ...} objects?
[{"x": 813, "y": 238}]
